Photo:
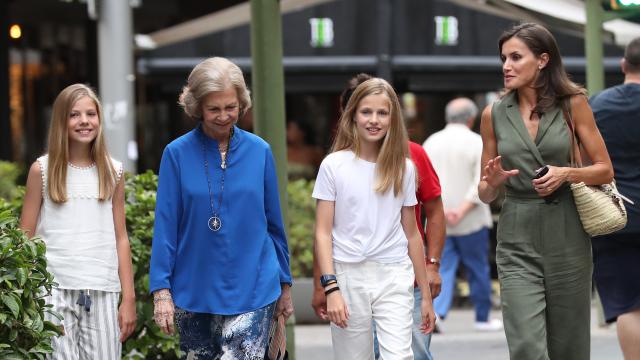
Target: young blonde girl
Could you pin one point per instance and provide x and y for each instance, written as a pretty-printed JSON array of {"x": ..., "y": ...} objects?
[
  {"x": 75, "y": 201},
  {"x": 367, "y": 241}
]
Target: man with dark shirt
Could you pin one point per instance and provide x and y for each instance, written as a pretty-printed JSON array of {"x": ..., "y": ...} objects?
[{"x": 616, "y": 256}]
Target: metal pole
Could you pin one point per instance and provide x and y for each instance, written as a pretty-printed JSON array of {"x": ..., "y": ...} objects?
[
  {"x": 116, "y": 77},
  {"x": 5, "y": 121},
  {"x": 595, "y": 76},
  {"x": 267, "y": 82},
  {"x": 593, "y": 46}
]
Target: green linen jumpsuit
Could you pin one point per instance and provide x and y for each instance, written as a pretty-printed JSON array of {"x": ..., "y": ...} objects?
[{"x": 543, "y": 253}]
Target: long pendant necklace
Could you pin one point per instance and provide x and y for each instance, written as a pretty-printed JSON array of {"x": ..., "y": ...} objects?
[{"x": 214, "y": 223}]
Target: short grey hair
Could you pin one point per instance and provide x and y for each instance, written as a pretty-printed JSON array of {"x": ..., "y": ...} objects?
[
  {"x": 213, "y": 74},
  {"x": 460, "y": 110}
]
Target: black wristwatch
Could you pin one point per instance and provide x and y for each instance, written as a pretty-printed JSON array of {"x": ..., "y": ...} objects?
[{"x": 325, "y": 279}]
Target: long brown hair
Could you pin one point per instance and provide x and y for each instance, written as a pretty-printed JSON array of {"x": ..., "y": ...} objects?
[
  {"x": 391, "y": 161},
  {"x": 552, "y": 83},
  {"x": 59, "y": 146}
]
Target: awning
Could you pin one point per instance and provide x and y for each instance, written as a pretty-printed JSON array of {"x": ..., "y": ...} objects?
[
  {"x": 218, "y": 21},
  {"x": 564, "y": 15}
]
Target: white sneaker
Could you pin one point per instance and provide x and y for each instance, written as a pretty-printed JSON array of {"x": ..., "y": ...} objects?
[{"x": 491, "y": 325}]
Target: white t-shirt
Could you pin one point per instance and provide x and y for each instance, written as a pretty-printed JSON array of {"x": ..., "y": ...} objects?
[{"x": 366, "y": 223}]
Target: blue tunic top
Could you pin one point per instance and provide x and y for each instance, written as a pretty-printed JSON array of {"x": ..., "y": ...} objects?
[{"x": 240, "y": 267}]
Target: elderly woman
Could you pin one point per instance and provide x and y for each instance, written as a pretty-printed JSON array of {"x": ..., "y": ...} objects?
[{"x": 219, "y": 259}]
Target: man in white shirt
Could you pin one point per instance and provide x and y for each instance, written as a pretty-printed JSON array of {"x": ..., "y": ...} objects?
[{"x": 455, "y": 153}]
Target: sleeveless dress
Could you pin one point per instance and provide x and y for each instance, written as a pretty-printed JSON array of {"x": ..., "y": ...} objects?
[{"x": 543, "y": 254}]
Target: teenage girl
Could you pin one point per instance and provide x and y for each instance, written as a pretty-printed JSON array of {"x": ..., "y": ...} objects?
[
  {"x": 75, "y": 201},
  {"x": 367, "y": 240}
]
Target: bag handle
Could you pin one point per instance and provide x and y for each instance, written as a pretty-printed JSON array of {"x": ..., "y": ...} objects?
[
  {"x": 575, "y": 148},
  {"x": 576, "y": 159}
]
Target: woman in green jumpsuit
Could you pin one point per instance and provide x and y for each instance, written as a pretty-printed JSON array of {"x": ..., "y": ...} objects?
[{"x": 543, "y": 255}]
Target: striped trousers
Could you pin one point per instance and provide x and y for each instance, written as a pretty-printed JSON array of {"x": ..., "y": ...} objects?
[{"x": 88, "y": 335}]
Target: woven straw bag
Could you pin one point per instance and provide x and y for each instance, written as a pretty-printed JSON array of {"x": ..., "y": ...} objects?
[{"x": 600, "y": 207}]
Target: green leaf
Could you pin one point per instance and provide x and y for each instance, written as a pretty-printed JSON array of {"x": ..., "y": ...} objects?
[
  {"x": 21, "y": 276},
  {"x": 11, "y": 303},
  {"x": 13, "y": 334}
]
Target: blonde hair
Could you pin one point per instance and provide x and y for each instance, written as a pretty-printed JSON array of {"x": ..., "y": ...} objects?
[
  {"x": 59, "y": 146},
  {"x": 391, "y": 161},
  {"x": 213, "y": 74}
]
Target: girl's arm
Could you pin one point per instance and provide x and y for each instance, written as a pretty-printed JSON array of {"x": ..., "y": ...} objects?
[
  {"x": 32, "y": 200},
  {"x": 336, "y": 307},
  {"x": 127, "y": 310},
  {"x": 492, "y": 173},
  {"x": 599, "y": 172},
  {"x": 416, "y": 253}
]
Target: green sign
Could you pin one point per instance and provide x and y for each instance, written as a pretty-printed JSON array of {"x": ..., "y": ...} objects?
[
  {"x": 625, "y": 4},
  {"x": 321, "y": 32},
  {"x": 446, "y": 30}
]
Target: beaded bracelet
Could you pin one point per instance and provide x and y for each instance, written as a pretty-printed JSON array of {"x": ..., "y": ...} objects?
[
  {"x": 162, "y": 297},
  {"x": 330, "y": 282}
]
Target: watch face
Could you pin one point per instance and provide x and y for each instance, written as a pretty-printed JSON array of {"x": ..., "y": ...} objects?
[{"x": 324, "y": 279}]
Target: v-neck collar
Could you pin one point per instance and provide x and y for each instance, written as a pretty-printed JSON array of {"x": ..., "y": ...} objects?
[{"x": 515, "y": 118}]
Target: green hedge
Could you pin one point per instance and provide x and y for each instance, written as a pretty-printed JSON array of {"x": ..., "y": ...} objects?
[
  {"x": 9, "y": 174},
  {"x": 24, "y": 281},
  {"x": 302, "y": 209}
]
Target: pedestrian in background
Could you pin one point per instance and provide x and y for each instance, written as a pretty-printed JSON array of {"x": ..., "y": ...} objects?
[
  {"x": 543, "y": 253},
  {"x": 616, "y": 256},
  {"x": 456, "y": 151},
  {"x": 367, "y": 241},
  {"x": 75, "y": 201},
  {"x": 219, "y": 258},
  {"x": 428, "y": 196}
]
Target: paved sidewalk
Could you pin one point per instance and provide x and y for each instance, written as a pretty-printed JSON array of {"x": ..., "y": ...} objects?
[{"x": 459, "y": 341}]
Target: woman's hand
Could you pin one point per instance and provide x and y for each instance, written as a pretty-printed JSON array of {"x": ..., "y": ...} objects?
[
  {"x": 494, "y": 174},
  {"x": 284, "y": 305},
  {"x": 337, "y": 309},
  {"x": 428, "y": 316},
  {"x": 163, "y": 311},
  {"x": 127, "y": 318},
  {"x": 551, "y": 181}
]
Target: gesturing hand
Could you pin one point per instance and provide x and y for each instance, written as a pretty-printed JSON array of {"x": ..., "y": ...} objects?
[{"x": 495, "y": 175}]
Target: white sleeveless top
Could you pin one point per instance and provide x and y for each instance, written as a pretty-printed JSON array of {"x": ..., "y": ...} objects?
[{"x": 79, "y": 234}]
